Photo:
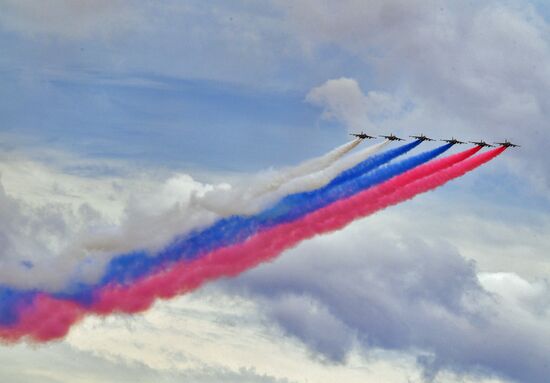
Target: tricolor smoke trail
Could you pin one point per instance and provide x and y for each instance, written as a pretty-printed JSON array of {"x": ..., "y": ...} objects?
[
  {"x": 205, "y": 206},
  {"x": 43, "y": 317},
  {"x": 129, "y": 267},
  {"x": 231, "y": 230}
]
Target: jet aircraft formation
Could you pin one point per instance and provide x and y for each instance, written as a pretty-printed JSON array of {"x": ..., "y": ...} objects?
[{"x": 422, "y": 137}]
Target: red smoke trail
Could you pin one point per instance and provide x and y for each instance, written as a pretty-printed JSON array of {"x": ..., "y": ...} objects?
[
  {"x": 46, "y": 319},
  {"x": 49, "y": 318}
]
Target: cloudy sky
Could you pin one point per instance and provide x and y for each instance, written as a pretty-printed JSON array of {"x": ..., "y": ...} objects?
[{"x": 113, "y": 112}]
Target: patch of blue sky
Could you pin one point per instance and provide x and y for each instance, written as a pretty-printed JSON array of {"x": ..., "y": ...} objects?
[
  {"x": 166, "y": 121},
  {"x": 498, "y": 194},
  {"x": 542, "y": 8}
]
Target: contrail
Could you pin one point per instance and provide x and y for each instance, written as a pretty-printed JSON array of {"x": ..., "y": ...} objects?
[{"x": 44, "y": 318}]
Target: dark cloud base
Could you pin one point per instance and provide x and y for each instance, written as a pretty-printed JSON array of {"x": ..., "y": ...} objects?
[{"x": 394, "y": 293}]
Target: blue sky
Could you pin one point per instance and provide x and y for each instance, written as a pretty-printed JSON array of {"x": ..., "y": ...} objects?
[
  {"x": 171, "y": 122},
  {"x": 114, "y": 110}
]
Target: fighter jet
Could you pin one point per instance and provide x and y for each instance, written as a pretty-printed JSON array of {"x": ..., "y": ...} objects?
[
  {"x": 422, "y": 138},
  {"x": 392, "y": 137},
  {"x": 507, "y": 144},
  {"x": 453, "y": 141},
  {"x": 480, "y": 143},
  {"x": 361, "y": 135}
]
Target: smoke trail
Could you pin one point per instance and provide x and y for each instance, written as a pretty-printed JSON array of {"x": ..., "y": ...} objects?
[
  {"x": 307, "y": 167},
  {"x": 319, "y": 179},
  {"x": 126, "y": 268},
  {"x": 234, "y": 229},
  {"x": 129, "y": 266},
  {"x": 176, "y": 212},
  {"x": 236, "y": 200},
  {"x": 347, "y": 184},
  {"x": 250, "y": 206},
  {"x": 232, "y": 260}
]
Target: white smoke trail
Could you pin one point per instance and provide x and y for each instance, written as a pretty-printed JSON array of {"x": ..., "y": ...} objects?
[
  {"x": 323, "y": 177},
  {"x": 238, "y": 200},
  {"x": 247, "y": 205},
  {"x": 315, "y": 164}
]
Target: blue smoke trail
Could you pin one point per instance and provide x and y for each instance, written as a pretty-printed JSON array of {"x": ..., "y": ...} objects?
[{"x": 10, "y": 300}]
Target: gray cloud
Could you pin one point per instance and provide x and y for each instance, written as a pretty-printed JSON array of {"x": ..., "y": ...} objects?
[
  {"x": 342, "y": 99},
  {"x": 34, "y": 233},
  {"x": 408, "y": 296},
  {"x": 317, "y": 327},
  {"x": 237, "y": 43},
  {"x": 476, "y": 71}
]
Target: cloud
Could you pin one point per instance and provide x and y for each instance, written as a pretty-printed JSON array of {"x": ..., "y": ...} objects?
[
  {"x": 343, "y": 100},
  {"x": 475, "y": 71},
  {"x": 56, "y": 226},
  {"x": 230, "y": 42},
  {"x": 318, "y": 328},
  {"x": 65, "y": 363},
  {"x": 381, "y": 289},
  {"x": 533, "y": 297},
  {"x": 207, "y": 336},
  {"x": 31, "y": 237}
]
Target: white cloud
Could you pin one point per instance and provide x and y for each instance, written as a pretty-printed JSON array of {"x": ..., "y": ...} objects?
[
  {"x": 56, "y": 224},
  {"x": 343, "y": 100},
  {"x": 212, "y": 331}
]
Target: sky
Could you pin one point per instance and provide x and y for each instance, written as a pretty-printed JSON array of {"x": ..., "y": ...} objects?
[{"x": 116, "y": 113}]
